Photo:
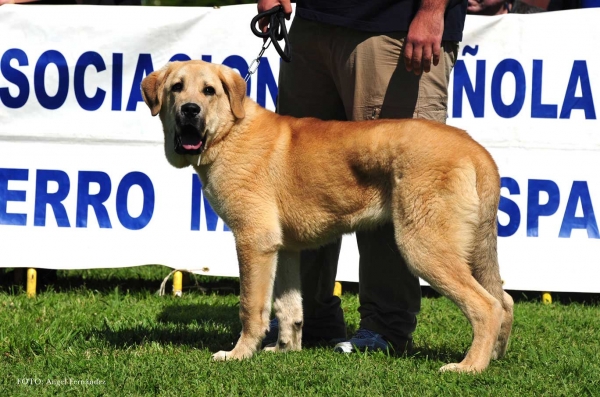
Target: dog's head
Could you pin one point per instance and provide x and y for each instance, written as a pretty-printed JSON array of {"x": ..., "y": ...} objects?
[{"x": 197, "y": 101}]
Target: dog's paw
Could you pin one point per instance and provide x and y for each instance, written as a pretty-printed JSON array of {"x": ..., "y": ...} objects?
[
  {"x": 222, "y": 356},
  {"x": 272, "y": 347},
  {"x": 498, "y": 351},
  {"x": 235, "y": 354},
  {"x": 279, "y": 347},
  {"x": 462, "y": 368}
]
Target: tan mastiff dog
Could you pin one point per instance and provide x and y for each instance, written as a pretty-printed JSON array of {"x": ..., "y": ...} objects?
[{"x": 284, "y": 184}]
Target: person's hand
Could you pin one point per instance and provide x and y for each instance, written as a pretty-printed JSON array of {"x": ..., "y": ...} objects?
[
  {"x": 2, "y": 2},
  {"x": 422, "y": 46},
  {"x": 266, "y": 5}
]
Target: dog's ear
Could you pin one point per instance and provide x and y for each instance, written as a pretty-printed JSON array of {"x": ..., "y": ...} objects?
[
  {"x": 152, "y": 90},
  {"x": 235, "y": 88}
]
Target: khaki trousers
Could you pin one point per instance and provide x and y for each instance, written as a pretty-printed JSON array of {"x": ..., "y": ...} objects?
[{"x": 343, "y": 74}]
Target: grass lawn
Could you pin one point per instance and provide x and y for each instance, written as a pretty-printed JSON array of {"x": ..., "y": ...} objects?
[{"x": 110, "y": 329}]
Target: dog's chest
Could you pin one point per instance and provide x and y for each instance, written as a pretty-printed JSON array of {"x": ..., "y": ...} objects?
[{"x": 211, "y": 195}]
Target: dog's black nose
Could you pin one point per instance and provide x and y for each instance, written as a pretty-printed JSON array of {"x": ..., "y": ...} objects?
[{"x": 190, "y": 110}]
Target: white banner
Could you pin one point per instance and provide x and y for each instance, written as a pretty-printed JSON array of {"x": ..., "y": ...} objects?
[{"x": 84, "y": 182}]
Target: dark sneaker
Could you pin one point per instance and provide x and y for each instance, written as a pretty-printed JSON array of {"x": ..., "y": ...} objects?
[{"x": 362, "y": 341}]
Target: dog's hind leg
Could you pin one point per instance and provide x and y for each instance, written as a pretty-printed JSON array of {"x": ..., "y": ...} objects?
[
  {"x": 483, "y": 311},
  {"x": 288, "y": 303},
  {"x": 257, "y": 274},
  {"x": 485, "y": 270},
  {"x": 484, "y": 259},
  {"x": 452, "y": 278},
  {"x": 436, "y": 245},
  {"x": 507, "y": 321}
]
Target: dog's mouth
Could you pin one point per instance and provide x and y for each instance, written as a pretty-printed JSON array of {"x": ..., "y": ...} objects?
[{"x": 190, "y": 140}]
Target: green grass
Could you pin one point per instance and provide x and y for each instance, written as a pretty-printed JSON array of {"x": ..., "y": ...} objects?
[{"x": 136, "y": 343}]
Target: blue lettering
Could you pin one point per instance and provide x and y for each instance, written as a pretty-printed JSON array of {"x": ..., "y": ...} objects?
[
  {"x": 538, "y": 109},
  {"x": 265, "y": 80},
  {"x": 16, "y": 77},
  {"x": 43, "y": 198},
  {"x": 579, "y": 192},
  {"x": 510, "y": 208},
  {"x": 56, "y": 101},
  {"x": 180, "y": 57},
  {"x": 12, "y": 174},
  {"x": 579, "y": 73},
  {"x": 142, "y": 180},
  {"x": 96, "y": 201},
  {"x": 197, "y": 198},
  {"x": 514, "y": 67},
  {"x": 89, "y": 58},
  {"x": 144, "y": 67},
  {"x": 196, "y": 202},
  {"x": 535, "y": 209},
  {"x": 117, "y": 81},
  {"x": 475, "y": 95}
]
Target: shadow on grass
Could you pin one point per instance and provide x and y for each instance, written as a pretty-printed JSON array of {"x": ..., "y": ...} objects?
[
  {"x": 228, "y": 316},
  {"x": 149, "y": 278},
  {"x": 564, "y": 298},
  {"x": 200, "y": 313},
  {"x": 216, "y": 327},
  {"x": 201, "y": 326},
  {"x": 138, "y": 279},
  {"x": 436, "y": 354},
  {"x": 52, "y": 280}
]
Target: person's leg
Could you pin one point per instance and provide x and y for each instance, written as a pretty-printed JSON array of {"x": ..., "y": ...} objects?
[
  {"x": 323, "y": 315},
  {"x": 306, "y": 89},
  {"x": 390, "y": 296}
]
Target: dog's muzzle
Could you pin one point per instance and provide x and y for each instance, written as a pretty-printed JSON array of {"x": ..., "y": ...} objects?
[{"x": 190, "y": 137}]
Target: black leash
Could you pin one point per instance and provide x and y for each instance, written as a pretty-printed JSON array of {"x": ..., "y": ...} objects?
[{"x": 276, "y": 32}]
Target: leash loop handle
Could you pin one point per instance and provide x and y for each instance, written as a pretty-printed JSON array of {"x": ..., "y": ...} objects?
[{"x": 276, "y": 31}]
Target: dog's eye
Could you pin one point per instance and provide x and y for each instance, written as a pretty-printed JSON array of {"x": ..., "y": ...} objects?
[
  {"x": 209, "y": 91},
  {"x": 177, "y": 87}
]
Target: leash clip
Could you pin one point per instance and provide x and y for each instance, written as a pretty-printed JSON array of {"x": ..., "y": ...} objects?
[{"x": 254, "y": 65}]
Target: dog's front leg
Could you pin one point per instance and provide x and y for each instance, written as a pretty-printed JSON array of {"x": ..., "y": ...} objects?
[
  {"x": 288, "y": 303},
  {"x": 257, "y": 274}
]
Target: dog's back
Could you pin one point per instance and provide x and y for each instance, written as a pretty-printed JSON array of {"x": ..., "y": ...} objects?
[{"x": 347, "y": 174}]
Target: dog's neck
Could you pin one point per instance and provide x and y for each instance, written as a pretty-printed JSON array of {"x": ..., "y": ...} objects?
[
  {"x": 228, "y": 132},
  {"x": 220, "y": 153}
]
